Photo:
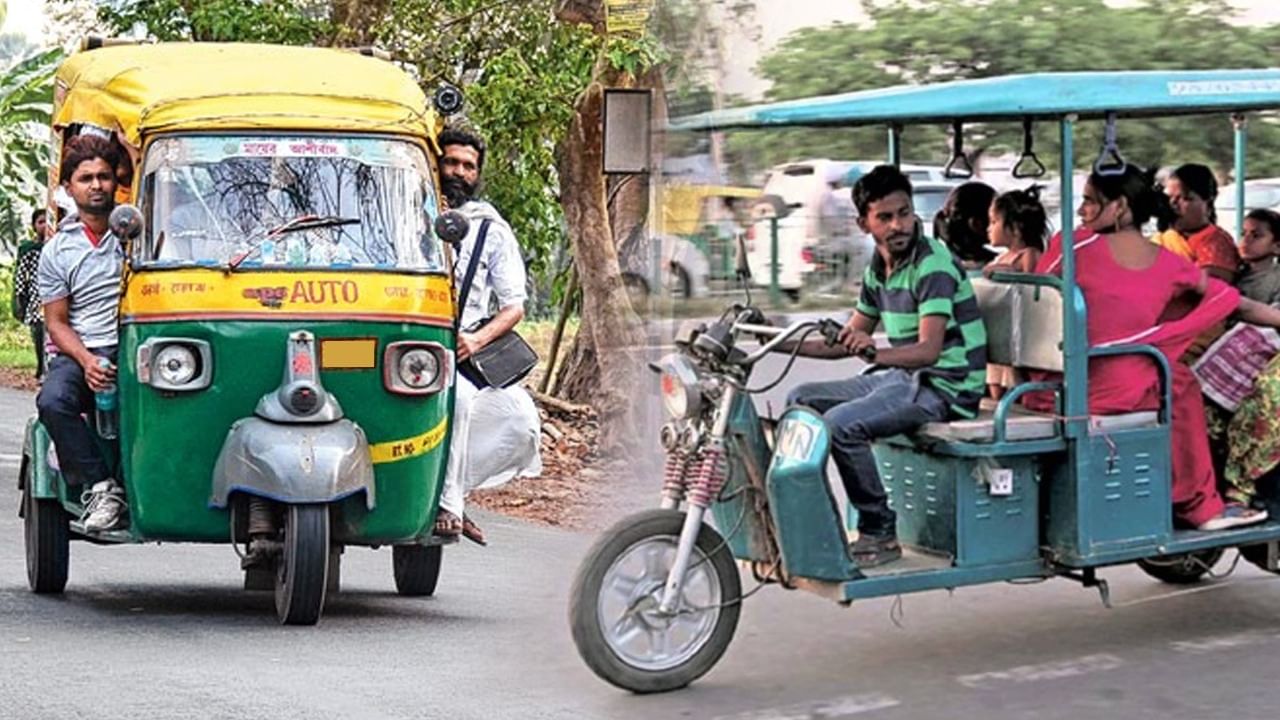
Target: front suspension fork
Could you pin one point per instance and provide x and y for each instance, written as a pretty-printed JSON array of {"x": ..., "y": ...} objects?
[{"x": 712, "y": 473}]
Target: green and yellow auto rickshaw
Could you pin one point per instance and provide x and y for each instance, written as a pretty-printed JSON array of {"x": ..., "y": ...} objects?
[{"x": 287, "y": 314}]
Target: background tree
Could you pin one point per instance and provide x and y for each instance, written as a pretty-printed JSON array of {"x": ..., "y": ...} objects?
[
  {"x": 26, "y": 90},
  {"x": 942, "y": 40}
]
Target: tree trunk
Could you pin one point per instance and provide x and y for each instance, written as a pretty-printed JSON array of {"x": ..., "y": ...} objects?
[{"x": 603, "y": 367}]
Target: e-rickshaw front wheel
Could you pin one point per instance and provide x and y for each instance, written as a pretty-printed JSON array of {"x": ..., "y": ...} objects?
[
  {"x": 618, "y": 627},
  {"x": 302, "y": 572},
  {"x": 47, "y": 536},
  {"x": 416, "y": 568}
]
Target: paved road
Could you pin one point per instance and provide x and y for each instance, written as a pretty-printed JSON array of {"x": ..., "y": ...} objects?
[{"x": 165, "y": 632}]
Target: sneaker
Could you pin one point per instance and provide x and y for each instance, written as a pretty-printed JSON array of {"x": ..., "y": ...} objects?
[
  {"x": 1233, "y": 516},
  {"x": 872, "y": 550},
  {"x": 104, "y": 506}
]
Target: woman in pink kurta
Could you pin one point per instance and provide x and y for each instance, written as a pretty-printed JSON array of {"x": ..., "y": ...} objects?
[{"x": 1128, "y": 283}]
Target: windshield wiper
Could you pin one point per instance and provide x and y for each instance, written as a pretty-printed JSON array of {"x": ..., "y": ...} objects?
[{"x": 311, "y": 222}]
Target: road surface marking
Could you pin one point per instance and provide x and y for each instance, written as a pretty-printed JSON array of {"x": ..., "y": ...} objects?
[
  {"x": 1219, "y": 643},
  {"x": 1044, "y": 671},
  {"x": 833, "y": 709}
]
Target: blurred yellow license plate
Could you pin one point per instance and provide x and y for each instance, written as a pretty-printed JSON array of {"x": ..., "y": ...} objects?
[{"x": 359, "y": 354}]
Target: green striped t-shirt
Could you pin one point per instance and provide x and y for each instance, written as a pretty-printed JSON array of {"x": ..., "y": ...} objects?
[{"x": 932, "y": 282}]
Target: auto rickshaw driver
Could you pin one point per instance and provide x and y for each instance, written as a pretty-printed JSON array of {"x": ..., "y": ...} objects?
[{"x": 79, "y": 286}]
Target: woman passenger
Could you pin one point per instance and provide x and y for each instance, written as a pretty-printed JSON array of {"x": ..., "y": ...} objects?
[
  {"x": 1191, "y": 191},
  {"x": 1128, "y": 284},
  {"x": 1016, "y": 222},
  {"x": 962, "y": 224},
  {"x": 1251, "y": 437}
]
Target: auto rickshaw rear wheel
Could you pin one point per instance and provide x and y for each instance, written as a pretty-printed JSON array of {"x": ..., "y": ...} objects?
[
  {"x": 416, "y": 568},
  {"x": 47, "y": 536},
  {"x": 303, "y": 568},
  {"x": 1182, "y": 569},
  {"x": 617, "y": 625}
]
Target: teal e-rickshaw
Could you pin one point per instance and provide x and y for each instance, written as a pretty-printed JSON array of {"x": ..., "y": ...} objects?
[{"x": 1010, "y": 495}]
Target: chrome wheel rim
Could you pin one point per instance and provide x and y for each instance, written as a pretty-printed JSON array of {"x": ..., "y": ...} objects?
[{"x": 628, "y": 614}]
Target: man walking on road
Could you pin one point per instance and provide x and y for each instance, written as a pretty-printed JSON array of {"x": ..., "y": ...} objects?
[
  {"x": 26, "y": 305},
  {"x": 79, "y": 285},
  {"x": 500, "y": 275},
  {"x": 934, "y": 369}
]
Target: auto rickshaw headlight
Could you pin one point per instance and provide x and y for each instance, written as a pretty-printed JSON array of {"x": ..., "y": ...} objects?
[
  {"x": 175, "y": 364},
  {"x": 416, "y": 368}
]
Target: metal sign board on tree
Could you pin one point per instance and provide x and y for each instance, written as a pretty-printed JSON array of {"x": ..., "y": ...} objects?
[{"x": 627, "y": 17}]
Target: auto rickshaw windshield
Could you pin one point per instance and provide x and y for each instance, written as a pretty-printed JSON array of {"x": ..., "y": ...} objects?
[{"x": 271, "y": 201}]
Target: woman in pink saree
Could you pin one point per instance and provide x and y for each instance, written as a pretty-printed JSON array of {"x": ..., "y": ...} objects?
[{"x": 1128, "y": 284}]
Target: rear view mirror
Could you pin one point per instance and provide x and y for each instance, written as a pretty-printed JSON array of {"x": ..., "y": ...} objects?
[
  {"x": 452, "y": 226},
  {"x": 627, "y": 131},
  {"x": 125, "y": 222}
]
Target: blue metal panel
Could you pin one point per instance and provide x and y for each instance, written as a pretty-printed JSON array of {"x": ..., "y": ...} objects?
[
  {"x": 734, "y": 514},
  {"x": 1015, "y": 97},
  {"x": 944, "y": 504},
  {"x": 894, "y": 584},
  {"x": 812, "y": 543},
  {"x": 1112, "y": 500}
]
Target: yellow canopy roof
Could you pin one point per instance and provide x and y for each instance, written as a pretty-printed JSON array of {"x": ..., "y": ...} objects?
[{"x": 238, "y": 86}]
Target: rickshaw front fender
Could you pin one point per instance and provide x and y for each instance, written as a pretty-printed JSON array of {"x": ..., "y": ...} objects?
[
  {"x": 294, "y": 463},
  {"x": 35, "y": 451}
]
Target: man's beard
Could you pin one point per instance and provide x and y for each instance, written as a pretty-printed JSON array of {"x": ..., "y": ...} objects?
[{"x": 458, "y": 191}]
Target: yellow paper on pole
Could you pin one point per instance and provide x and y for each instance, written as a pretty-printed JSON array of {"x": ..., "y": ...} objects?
[{"x": 627, "y": 17}]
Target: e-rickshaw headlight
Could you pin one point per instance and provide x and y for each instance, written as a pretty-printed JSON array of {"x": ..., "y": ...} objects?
[
  {"x": 416, "y": 368},
  {"x": 681, "y": 394}
]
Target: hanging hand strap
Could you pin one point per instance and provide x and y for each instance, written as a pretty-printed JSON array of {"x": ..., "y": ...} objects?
[{"x": 472, "y": 264}]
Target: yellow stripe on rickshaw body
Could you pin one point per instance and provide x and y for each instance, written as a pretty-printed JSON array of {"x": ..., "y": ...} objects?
[
  {"x": 395, "y": 450},
  {"x": 213, "y": 294}
]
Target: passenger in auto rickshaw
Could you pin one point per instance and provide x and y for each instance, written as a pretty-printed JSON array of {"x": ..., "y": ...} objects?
[
  {"x": 79, "y": 286},
  {"x": 1136, "y": 281}
]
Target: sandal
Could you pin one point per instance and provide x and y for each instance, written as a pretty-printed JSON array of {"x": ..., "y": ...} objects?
[
  {"x": 472, "y": 531},
  {"x": 448, "y": 524}
]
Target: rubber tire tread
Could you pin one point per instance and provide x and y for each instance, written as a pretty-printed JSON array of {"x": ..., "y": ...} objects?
[
  {"x": 1179, "y": 574},
  {"x": 416, "y": 569},
  {"x": 585, "y": 594},
  {"x": 300, "y": 597},
  {"x": 46, "y": 525}
]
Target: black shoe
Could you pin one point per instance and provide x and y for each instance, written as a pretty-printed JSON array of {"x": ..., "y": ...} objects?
[{"x": 872, "y": 550}]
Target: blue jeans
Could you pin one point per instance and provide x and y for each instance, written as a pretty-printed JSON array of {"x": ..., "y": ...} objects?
[
  {"x": 859, "y": 410},
  {"x": 63, "y": 399}
]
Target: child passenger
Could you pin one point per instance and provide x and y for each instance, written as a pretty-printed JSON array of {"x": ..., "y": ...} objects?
[
  {"x": 1260, "y": 249},
  {"x": 1016, "y": 222}
]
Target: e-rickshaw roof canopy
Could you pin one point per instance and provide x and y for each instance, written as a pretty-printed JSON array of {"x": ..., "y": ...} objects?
[
  {"x": 141, "y": 89},
  {"x": 1015, "y": 97}
]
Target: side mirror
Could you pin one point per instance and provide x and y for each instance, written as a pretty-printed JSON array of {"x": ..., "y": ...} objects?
[
  {"x": 447, "y": 100},
  {"x": 125, "y": 222},
  {"x": 452, "y": 226}
]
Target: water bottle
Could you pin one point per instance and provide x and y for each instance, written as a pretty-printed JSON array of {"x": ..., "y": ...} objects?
[
  {"x": 269, "y": 252},
  {"x": 105, "y": 401}
]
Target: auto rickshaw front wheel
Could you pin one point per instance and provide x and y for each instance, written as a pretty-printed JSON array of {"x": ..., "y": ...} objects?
[
  {"x": 416, "y": 568},
  {"x": 47, "y": 536},
  {"x": 1181, "y": 569},
  {"x": 621, "y": 633},
  {"x": 302, "y": 572}
]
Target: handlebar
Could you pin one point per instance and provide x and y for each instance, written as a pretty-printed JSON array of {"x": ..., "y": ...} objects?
[{"x": 830, "y": 330}]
